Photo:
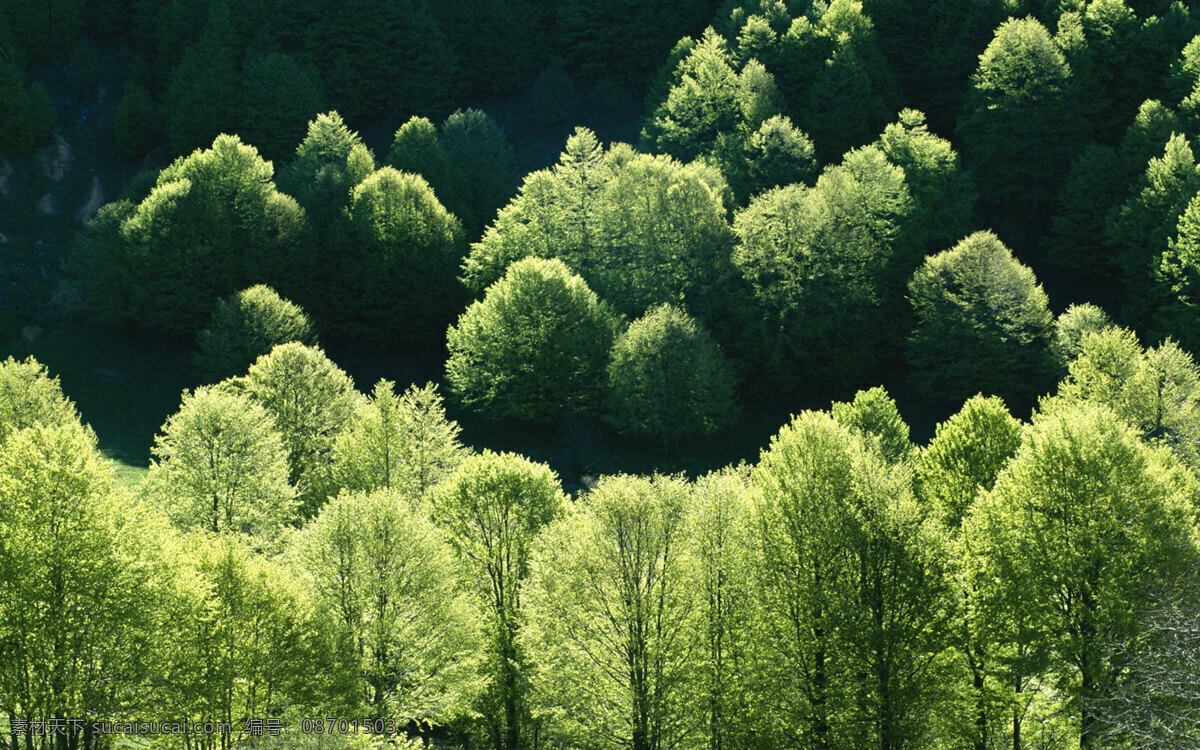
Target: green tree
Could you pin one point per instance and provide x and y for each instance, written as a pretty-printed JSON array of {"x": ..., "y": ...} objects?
[
  {"x": 534, "y": 347},
  {"x": 982, "y": 322},
  {"x": 481, "y": 176},
  {"x": 943, "y": 195},
  {"x": 611, "y": 617},
  {"x": 777, "y": 154},
  {"x": 329, "y": 163},
  {"x": 278, "y": 96},
  {"x": 389, "y": 581},
  {"x": 212, "y": 224},
  {"x": 76, "y": 576},
  {"x": 417, "y": 149},
  {"x": 492, "y": 508},
  {"x": 219, "y": 464},
  {"x": 668, "y": 378},
  {"x": 960, "y": 464},
  {"x": 311, "y": 401},
  {"x": 246, "y": 640},
  {"x": 641, "y": 230},
  {"x": 30, "y": 397},
  {"x": 401, "y": 249},
  {"x": 247, "y": 325},
  {"x": 721, "y": 530},
  {"x": 1078, "y": 526},
  {"x": 1070, "y": 328},
  {"x": 398, "y": 442},
  {"x": 1157, "y": 392},
  {"x": 1141, "y": 229},
  {"x": 874, "y": 418},
  {"x": 1018, "y": 131},
  {"x": 803, "y": 483},
  {"x": 1177, "y": 281},
  {"x": 817, "y": 260}
]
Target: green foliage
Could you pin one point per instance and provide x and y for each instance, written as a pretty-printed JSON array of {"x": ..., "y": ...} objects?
[
  {"x": 78, "y": 579},
  {"x": 534, "y": 347},
  {"x": 30, "y": 397},
  {"x": 982, "y": 323},
  {"x": 252, "y": 644},
  {"x": 278, "y": 96},
  {"x": 400, "y": 442},
  {"x": 1072, "y": 326},
  {"x": 1018, "y": 132},
  {"x": 873, "y": 417},
  {"x": 1157, "y": 392},
  {"x": 213, "y": 224},
  {"x": 965, "y": 457},
  {"x": 468, "y": 163},
  {"x": 416, "y": 148},
  {"x": 777, "y": 154},
  {"x": 611, "y": 617},
  {"x": 1141, "y": 229},
  {"x": 247, "y": 325},
  {"x": 852, "y": 590},
  {"x": 492, "y": 508},
  {"x": 330, "y": 162},
  {"x": 376, "y": 55},
  {"x": 481, "y": 175},
  {"x": 668, "y": 378},
  {"x": 943, "y": 195},
  {"x": 641, "y": 230},
  {"x": 1079, "y": 524},
  {"x": 818, "y": 262},
  {"x": 197, "y": 99},
  {"x": 136, "y": 127},
  {"x": 397, "y": 269},
  {"x": 722, "y": 533},
  {"x": 311, "y": 400},
  {"x": 388, "y": 581},
  {"x": 1178, "y": 281},
  {"x": 220, "y": 465}
]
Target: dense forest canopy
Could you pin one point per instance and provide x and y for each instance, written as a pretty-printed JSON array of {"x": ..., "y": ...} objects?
[{"x": 758, "y": 374}]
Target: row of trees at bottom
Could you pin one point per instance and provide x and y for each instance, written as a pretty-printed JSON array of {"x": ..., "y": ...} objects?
[{"x": 849, "y": 590}]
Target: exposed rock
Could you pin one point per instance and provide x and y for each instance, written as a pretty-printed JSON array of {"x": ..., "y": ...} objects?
[
  {"x": 29, "y": 334},
  {"x": 94, "y": 201},
  {"x": 56, "y": 159},
  {"x": 45, "y": 205}
]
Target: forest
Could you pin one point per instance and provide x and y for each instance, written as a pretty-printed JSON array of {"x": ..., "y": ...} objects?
[{"x": 599, "y": 374}]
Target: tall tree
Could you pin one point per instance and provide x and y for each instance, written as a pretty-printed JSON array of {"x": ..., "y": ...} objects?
[
  {"x": 389, "y": 581},
  {"x": 220, "y": 465},
  {"x": 611, "y": 617},
  {"x": 1018, "y": 130},
  {"x": 311, "y": 400},
  {"x": 492, "y": 508},
  {"x": 1077, "y": 528}
]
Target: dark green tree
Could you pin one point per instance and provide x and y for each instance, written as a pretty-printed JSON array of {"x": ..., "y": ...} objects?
[
  {"x": 667, "y": 378},
  {"x": 982, "y": 323},
  {"x": 212, "y": 224},
  {"x": 247, "y": 325},
  {"x": 535, "y": 347},
  {"x": 397, "y": 269},
  {"x": 1018, "y": 131}
]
